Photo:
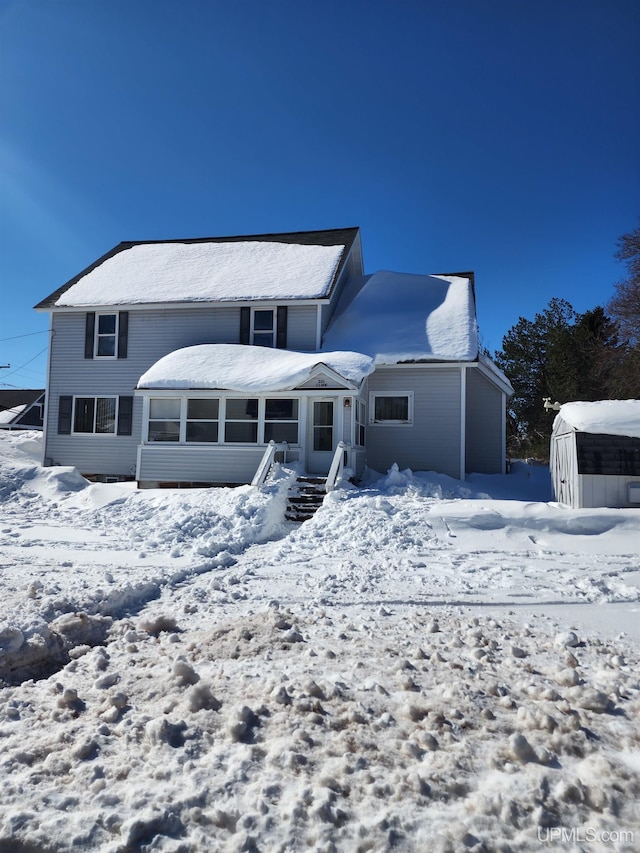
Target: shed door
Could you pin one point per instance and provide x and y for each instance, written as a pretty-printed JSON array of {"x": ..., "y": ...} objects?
[
  {"x": 321, "y": 438},
  {"x": 564, "y": 469}
]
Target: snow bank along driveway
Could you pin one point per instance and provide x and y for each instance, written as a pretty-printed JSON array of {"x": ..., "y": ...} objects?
[{"x": 183, "y": 672}]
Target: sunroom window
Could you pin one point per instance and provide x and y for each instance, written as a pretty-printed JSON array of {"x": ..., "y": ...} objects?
[
  {"x": 202, "y": 420},
  {"x": 281, "y": 421},
  {"x": 164, "y": 419},
  {"x": 241, "y": 423}
]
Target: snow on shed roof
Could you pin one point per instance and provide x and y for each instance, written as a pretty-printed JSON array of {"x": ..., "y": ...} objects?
[
  {"x": 254, "y": 370},
  {"x": 603, "y": 417},
  {"x": 396, "y": 317},
  {"x": 299, "y": 265}
]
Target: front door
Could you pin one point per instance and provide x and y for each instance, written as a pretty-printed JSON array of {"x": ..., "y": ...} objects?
[{"x": 320, "y": 441}]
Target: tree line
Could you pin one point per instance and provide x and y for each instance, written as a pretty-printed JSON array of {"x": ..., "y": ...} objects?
[{"x": 569, "y": 356}]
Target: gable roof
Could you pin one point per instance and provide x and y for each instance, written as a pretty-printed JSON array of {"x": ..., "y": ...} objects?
[
  {"x": 292, "y": 265},
  {"x": 400, "y": 317}
]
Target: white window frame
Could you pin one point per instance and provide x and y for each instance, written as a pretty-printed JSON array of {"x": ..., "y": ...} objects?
[
  {"x": 360, "y": 422},
  {"x": 273, "y": 331},
  {"x": 95, "y": 398},
  {"x": 222, "y": 421},
  {"x": 114, "y": 335},
  {"x": 265, "y": 420},
  {"x": 402, "y": 423}
]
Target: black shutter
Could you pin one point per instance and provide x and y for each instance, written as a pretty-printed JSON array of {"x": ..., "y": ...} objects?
[
  {"x": 281, "y": 334},
  {"x": 65, "y": 407},
  {"x": 123, "y": 333},
  {"x": 125, "y": 415},
  {"x": 89, "y": 333},
  {"x": 245, "y": 325}
]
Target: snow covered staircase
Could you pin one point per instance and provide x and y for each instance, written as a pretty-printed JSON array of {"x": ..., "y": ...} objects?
[{"x": 305, "y": 496}]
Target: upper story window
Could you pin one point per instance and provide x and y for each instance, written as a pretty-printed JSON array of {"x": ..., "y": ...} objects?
[
  {"x": 106, "y": 334},
  {"x": 263, "y": 330},
  {"x": 264, "y": 327}
]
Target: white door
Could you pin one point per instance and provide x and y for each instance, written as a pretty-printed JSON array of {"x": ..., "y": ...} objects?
[{"x": 321, "y": 437}]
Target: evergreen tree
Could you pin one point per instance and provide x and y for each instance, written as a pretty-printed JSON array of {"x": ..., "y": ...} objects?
[
  {"x": 624, "y": 308},
  {"x": 534, "y": 358}
]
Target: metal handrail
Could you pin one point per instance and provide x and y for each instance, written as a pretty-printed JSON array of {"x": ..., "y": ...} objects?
[{"x": 337, "y": 467}]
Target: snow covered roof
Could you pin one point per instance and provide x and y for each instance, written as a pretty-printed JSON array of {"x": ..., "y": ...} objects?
[
  {"x": 7, "y": 416},
  {"x": 301, "y": 265},
  {"x": 396, "y": 317},
  {"x": 247, "y": 369},
  {"x": 603, "y": 417}
]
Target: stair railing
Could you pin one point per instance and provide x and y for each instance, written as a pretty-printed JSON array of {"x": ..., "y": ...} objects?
[
  {"x": 337, "y": 467},
  {"x": 267, "y": 461}
]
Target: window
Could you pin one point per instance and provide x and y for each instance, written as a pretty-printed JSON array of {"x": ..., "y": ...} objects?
[
  {"x": 164, "y": 419},
  {"x": 94, "y": 415},
  {"x": 241, "y": 424},
  {"x": 391, "y": 410},
  {"x": 263, "y": 328},
  {"x": 106, "y": 335},
  {"x": 360, "y": 422},
  {"x": 322, "y": 425},
  {"x": 202, "y": 420},
  {"x": 281, "y": 421}
]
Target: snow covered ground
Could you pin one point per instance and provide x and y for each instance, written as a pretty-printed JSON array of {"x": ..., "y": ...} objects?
[{"x": 426, "y": 665}]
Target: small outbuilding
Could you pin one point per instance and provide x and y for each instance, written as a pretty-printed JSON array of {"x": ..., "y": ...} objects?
[{"x": 595, "y": 454}]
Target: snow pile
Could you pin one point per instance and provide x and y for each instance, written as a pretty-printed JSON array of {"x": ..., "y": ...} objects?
[
  {"x": 200, "y": 272},
  {"x": 604, "y": 417},
  {"x": 402, "y": 317},
  {"x": 424, "y": 665},
  {"x": 250, "y": 370}
]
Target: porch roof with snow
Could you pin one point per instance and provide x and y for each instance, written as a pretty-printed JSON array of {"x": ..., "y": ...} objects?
[
  {"x": 249, "y": 370},
  {"x": 296, "y": 265},
  {"x": 602, "y": 417},
  {"x": 400, "y": 317}
]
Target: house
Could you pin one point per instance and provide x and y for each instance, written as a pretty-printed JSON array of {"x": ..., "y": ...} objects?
[
  {"x": 179, "y": 361},
  {"x": 21, "y": 408},
  {"x": 595, "y": 454}
]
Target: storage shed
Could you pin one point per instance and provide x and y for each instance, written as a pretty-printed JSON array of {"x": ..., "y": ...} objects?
[{"x": 595, "y": 454}]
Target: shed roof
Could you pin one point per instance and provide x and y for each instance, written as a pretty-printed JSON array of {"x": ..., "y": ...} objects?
[
  {"x": 602, "y": 417},
  {"x": 292, "y": 265}
]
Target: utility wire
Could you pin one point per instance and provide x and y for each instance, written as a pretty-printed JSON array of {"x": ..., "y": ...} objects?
[{"x": 27, "y": 335}]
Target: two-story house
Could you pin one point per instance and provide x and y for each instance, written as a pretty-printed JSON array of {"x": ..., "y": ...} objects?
[{"x": 177, "y": 362}]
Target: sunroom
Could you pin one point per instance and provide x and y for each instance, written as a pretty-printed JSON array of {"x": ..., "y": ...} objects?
[{"x": 210, "y": 412}]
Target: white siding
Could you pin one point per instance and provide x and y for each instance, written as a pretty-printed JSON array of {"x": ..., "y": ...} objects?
[
  {"x": 433, "y": 442},
  {"x": 219, "y": 464},
  {"x": 484, "y": 425},
  {"x": 605, "y": 490}
]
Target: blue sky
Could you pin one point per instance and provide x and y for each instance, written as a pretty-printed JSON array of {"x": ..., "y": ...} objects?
[{"x": 500, "y": 136}]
